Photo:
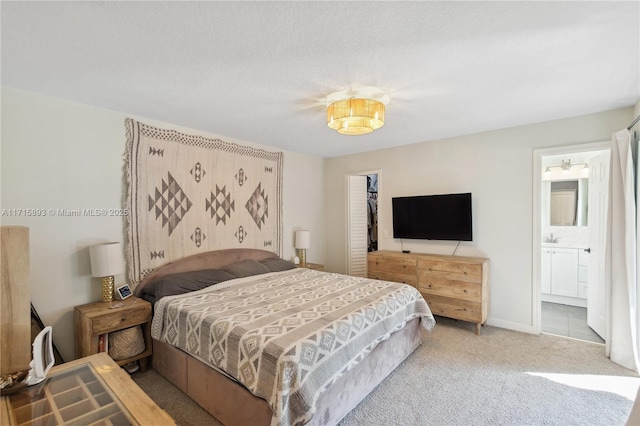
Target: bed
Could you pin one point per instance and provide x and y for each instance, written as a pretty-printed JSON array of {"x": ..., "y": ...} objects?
[{"x": 255, "y": 340}]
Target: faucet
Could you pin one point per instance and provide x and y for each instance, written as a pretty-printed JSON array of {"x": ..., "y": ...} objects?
[{"x": 550, "y": 239}]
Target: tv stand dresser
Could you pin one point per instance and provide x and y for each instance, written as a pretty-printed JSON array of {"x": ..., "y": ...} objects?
[{"x": 453, "y": 286}]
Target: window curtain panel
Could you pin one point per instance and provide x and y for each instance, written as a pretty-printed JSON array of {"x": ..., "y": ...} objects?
[{"x": 622, "y": 275}]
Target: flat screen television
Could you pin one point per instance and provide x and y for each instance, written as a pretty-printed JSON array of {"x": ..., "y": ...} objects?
[{"x": 433, "y": 217}]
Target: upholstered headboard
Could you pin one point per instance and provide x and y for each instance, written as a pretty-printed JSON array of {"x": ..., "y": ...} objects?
[{"x": 208, "y": 260}]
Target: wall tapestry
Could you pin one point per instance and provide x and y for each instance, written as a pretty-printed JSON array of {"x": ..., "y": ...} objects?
[{"x": 189, "y": 194}]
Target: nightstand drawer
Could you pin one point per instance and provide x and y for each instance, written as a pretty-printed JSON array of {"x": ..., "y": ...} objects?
[
  {"x": 120, "y": 319},
  {"x": 314, "y": 266}
]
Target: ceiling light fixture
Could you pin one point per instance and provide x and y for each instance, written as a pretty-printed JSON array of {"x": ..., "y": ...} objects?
[
  {"x": 355, "y": 116},
  {"x": 356, "y": 112}
]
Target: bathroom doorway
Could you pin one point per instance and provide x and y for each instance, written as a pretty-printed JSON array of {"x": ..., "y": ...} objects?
[{"x": 570, "y": 221}]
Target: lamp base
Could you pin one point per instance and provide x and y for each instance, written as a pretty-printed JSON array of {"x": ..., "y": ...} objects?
[
  {"x": 302, "y": 254},
  {"x": 107, "y": 288}
]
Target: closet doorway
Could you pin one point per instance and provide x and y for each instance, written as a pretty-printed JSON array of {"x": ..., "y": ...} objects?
[
  {"x": 570, "y": 207},
  {"x": 362, "y": 220},
  {"x": 372, "y": 212}
]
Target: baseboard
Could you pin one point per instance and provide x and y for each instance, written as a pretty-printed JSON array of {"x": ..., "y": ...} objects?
[{"x": 509, "y": 325}]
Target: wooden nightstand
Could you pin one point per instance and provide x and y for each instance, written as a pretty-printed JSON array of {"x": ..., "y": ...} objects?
[
  {"x": 316, "y": 266},
  {"x": 95, "y": 319}
]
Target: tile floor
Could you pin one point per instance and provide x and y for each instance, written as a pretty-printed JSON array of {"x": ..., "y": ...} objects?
[{"x": 565, "y": 320}]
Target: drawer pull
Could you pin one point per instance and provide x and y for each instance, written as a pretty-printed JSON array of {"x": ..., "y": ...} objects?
[{"x": 123, "y": 319}]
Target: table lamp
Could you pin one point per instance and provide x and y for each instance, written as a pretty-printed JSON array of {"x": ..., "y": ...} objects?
[
  {"x": 106, "y": 261},
  {"x": 303, "y": 242}
]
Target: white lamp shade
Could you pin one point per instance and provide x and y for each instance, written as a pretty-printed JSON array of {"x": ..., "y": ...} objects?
[
  {"x": 303, "y": 239},
  {"x": 106, "y": 259}
]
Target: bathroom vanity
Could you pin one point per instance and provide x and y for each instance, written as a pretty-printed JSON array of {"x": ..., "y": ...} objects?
[{"x": 565, "y": 271}]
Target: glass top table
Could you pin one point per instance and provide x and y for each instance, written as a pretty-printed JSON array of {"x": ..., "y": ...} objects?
[{"x": 88, "y": 391}]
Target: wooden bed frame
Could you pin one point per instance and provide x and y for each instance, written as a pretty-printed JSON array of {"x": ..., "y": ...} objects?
[{"x": 230, "y": 402}]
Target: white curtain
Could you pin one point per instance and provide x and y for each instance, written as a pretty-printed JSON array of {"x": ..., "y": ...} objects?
[{"x": 622, "y": 276}]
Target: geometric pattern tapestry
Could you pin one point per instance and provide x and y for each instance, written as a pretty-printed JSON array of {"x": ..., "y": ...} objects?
[{"x": 189, "y": 194}]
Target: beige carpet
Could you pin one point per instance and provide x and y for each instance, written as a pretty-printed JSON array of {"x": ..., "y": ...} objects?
[{"x": 501, "y": 377}]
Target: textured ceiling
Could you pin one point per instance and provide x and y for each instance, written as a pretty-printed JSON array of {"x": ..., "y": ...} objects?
[{"x": 260, "y": 71}]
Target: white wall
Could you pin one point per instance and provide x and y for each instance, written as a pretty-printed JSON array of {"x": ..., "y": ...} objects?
[
  {"x": 64, "y": 155},
  {"x": 496, "y": 167},
  {"x": 60, "y": 154}
]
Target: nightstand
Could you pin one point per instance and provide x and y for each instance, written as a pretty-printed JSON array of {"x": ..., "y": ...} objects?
[
  {"x": 316, "y": 266},
  {"x": 95, "y": 319}
]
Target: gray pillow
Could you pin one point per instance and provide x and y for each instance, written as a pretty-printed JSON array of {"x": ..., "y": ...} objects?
[
  {"x": 186, "y": 282},
  {"x": 246, "y": 268},
  {"x": 275, "y": 264}
]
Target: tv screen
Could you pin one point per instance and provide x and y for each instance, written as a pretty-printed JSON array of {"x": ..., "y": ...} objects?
[{"x": 433, "y": 217}]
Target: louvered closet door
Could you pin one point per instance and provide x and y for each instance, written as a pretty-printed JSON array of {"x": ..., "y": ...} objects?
[{"x": 357, "y": 226}]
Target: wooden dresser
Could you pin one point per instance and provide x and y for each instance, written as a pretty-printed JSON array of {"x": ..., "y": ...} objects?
[{"x": 453, "y": 286}]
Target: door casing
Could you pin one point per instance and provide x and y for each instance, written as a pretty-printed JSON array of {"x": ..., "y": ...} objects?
[{"x": 538, "y": 154}]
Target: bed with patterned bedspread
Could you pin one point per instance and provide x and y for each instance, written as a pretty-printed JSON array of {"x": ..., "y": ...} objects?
[{"x": 289, "y": 335}]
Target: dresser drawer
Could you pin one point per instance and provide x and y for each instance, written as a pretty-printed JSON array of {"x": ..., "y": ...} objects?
[
  {"x": 457, "y": 270},
  {"x": 431, "y": 283},
  {"x": 120, "y": 319},
  {"x": 463, "y": 310},
  {"x": 394, "y": 277},
  {"x": 394, "y": 264}
]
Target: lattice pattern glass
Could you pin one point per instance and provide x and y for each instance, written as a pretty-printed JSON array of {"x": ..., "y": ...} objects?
[{"x": 75, "y": 396}]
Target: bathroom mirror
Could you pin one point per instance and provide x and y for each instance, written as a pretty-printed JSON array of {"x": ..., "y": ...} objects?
[{"x": 568, "y": 200}]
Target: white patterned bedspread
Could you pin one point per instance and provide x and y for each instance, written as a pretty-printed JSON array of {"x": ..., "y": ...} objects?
[{"x": 288, "y": 335}]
